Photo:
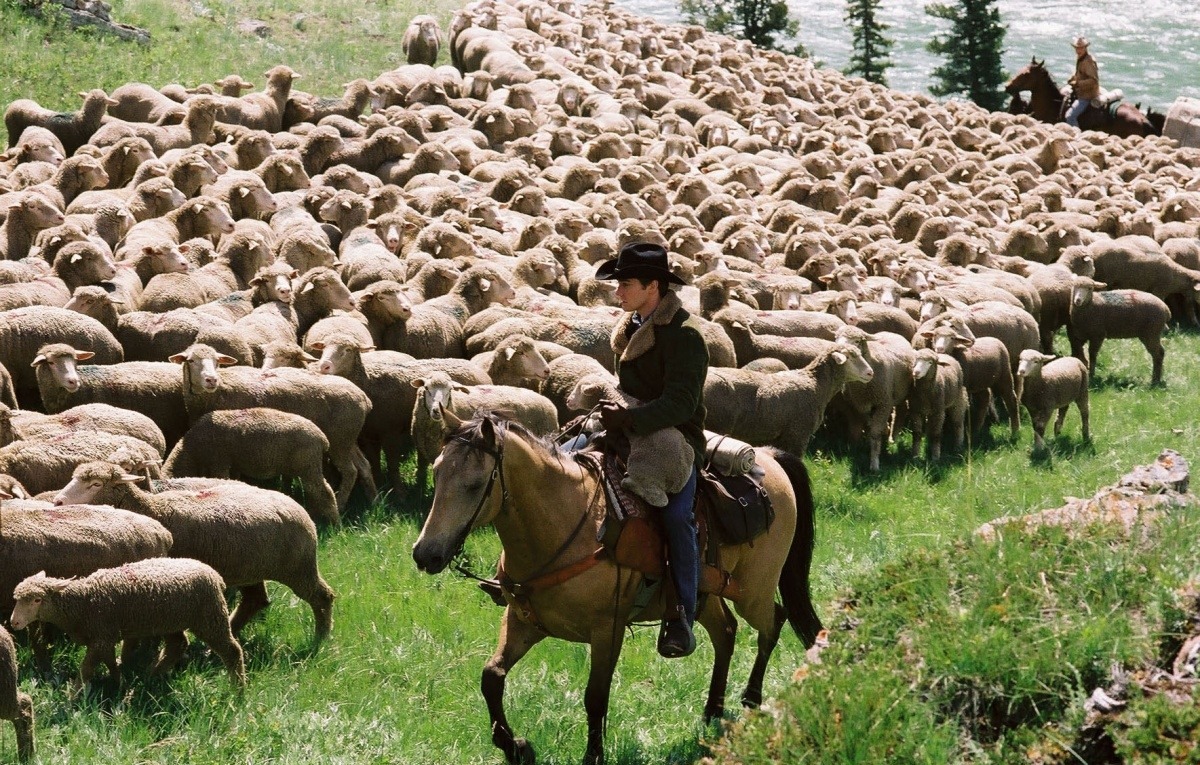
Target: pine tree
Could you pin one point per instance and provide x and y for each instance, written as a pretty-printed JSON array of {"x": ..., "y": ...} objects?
[
  {"x": 758, "y": 21},
  {"x": 870, "y": 59},
  {"x": 972, "y": 49}
]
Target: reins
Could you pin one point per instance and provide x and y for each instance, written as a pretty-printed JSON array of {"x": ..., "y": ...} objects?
[{"x": 545, "y": 577}]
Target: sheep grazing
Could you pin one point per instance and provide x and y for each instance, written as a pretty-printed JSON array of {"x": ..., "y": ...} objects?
[
  {"x": 660, "y": 463},
  {"x": 938, "y": 398},
  {"x": 422, "y": 40},
  {"x": 1098, "y": 314},
  {"x": 72, "y": 128},
  {"x": 334, "y": 405},
  {"x": 257, "y": 443},
  {"x": 15, "y": 705},
  {"x": 783, "y": 409},
  {"x": 249, "y": 535},
  {"x": 1046, "y": 384},
  {"x": 150, "y": 598}
]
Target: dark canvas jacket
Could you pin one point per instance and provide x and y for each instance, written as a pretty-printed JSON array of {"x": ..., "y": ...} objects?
[{"x": 664, "y": 364}]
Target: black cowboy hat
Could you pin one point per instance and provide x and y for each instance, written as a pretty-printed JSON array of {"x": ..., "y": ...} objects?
[{"x": 639, "y": 260}]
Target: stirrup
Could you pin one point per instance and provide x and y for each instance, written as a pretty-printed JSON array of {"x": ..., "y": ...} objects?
[{"x": 675, "y": 638}]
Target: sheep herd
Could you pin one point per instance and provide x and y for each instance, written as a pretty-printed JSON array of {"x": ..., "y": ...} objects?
[{"x": 205, "y": 284}]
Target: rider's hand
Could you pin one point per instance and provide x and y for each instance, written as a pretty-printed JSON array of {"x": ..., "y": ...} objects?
[{"x": 615, "y": 417}]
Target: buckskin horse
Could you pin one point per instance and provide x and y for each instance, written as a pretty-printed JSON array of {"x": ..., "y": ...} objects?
[
  {"x": 547, "y": 507},
  {"x": 1046, "y": 104}
]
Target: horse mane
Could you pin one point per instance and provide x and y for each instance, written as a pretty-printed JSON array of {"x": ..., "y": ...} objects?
[{"x": 471, "y": 432}]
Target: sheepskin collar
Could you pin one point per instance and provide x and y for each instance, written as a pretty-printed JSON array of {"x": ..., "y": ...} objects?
[{"x": 628, "y": 348}]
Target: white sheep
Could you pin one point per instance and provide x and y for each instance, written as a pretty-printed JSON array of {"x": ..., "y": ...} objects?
[
  {"x": 1098, "y": 314},
  {"x": 938, "y": 398},
  {"x": 152, "y": 598},
  {"x": 1046, "y": 384}
]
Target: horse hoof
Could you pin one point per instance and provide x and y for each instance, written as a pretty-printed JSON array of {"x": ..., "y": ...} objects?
[
  {"x": 752, "y": 700},
  {"x": 522, "y": 753}
]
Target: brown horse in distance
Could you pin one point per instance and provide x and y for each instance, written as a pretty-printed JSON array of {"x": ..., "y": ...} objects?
[{"x": 1046, "y": 104}]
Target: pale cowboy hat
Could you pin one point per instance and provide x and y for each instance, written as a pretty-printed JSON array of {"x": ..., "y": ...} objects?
[{"x": 1079, "y": 42}]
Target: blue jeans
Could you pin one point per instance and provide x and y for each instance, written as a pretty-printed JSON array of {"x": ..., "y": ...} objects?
[
  {"x": 1077, "y": 109},
  {"x": 683, "y": 549}
]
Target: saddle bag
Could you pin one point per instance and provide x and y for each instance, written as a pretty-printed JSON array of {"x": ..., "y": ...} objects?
[{"x": 739, "y": 506}]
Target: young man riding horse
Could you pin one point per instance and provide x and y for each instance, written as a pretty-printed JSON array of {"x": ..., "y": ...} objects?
[
  {"x": 662, "y": 360},
  {"x": 1085, "y": 83}
]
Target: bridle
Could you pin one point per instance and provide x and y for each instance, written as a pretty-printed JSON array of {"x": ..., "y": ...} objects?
[{"x": 497, "y": 475}]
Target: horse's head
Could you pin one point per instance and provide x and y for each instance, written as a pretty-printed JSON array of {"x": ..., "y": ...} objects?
[
  {"x": 467, "y": 488},
  {"x": 1027, "y": 78}
]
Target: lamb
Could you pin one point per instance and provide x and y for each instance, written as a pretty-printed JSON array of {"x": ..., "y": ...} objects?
[
  {"x": 782, "y": 409},
  {"x": 1098, "y": 315},
  {"x": 872, "y": 403},
  {"x": 435, "y": 328},
  {"x": 422, "y": 40},
  {"x": 1046, "y": 383},
  {"x": 195, "y": 128},
  {"x": 240, "y": 258},
  {"x": 262, "y": 110},
  {"x": 796, "y": 352},
  {"x": 15, "y": 705},
  {"x": 938, "y": 398},
  {"x": 195, "y": 218},
  {"x": 75, "y": 541},
  {"x": 73, "y": 129},
  {"x": 317, "y": 293},
  {"x": 660, "y": 463},
  {"x": 437, "y": 392},
  {"x": 248, "y": 535},
  {"x": 83, "y": 263},
  {"x": 24, "y": 331},
  {"x": 28, "y": 213},
  {"x": 516, "y": 361},
  {"x": 334, "y": 405},
  {"x": 151, "y": 598},
  {"x": 104, "y": 417},
  {"x": 386, "y": 377},
  {"x": 150, "y": 388},
  {"x": 257, "y": 443},
  {"x": 1010, "y": 325},
  {"x": 564, "y": 373},
  {"x": 987, "y": 373}
]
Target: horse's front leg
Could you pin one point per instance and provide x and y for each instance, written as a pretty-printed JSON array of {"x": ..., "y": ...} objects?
[
  {"x": 606, "y": 649},
  {"x": 516, "y": 638}
]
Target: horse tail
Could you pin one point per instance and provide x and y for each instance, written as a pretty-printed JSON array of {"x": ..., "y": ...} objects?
[{"x": 793, "y": 581}]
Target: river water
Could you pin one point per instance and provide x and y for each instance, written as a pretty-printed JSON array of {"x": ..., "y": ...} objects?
[{"x": 1150, "y": 49}]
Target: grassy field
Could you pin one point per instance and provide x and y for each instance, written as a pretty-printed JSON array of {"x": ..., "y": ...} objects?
[
  {"x": 398, "y": 682},
  {"x": 195, "y": 41}
]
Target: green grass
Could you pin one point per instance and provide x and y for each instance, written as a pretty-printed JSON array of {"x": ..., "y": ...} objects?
[{"x": 194, "y": 41}]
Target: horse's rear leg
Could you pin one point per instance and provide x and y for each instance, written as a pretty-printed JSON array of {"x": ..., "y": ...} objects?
[
  {"x": 606, "y": 649},
  {"x": 767, "y": 639},
  {"x": 721, "y": 626},
  {"x": 516, "y": 638}
]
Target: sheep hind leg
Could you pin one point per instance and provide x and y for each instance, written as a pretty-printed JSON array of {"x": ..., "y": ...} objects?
[
  {"x": 254, "y": 599},
  {"x": 1155, "y": 348},
  {"x": 173, "y": 647},
  {"x": 314, "y": 591},
  {"x": 1058, "y": 421},
  {"x": 362, "y": 467},
  {"x": 1093, "y": 354},
  {"x": 228, "y": 650},
  {"x": 23, "y": 723},
  {"x": 347, "y": 476},
  {"x": 1082, "y": 405}
]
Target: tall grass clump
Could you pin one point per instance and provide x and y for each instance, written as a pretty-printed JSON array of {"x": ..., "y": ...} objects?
[{"x": 985, "y": 651}]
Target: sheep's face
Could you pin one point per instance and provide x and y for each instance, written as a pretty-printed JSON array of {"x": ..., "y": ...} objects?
[
  {"x": 392, "y": 302},
  {"x": 61, "y": 360},
  {"x": 167, "y": 259},
  {"x": 29, "y": 598},
  {"x": 201, "y": 368},
  {"x": 338, "y": 358},
  {"x": 43, "y": 151},
  {"x": 527, "y": 361},
  {"x": 857, "y": 368},
  {"x": 925, "y": 365},
  {"x": 216, "y": 216},
  {"x": 932, "y": 305},
  {"x": 435, "y": 394},
  {"x": 258, "y": 199},
  {"x": 1031, "y": 363},
  {"x": 40, "y": 213},
  {"x": 846, "y": 309},
  {"x": 1081, "y": 293}
]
